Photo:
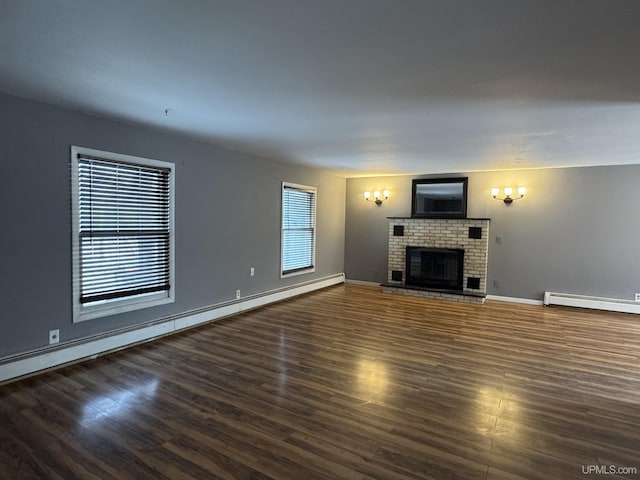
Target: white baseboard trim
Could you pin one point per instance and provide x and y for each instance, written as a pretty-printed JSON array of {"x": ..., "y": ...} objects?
[
  {"x": 527, "y": 301},
  {"x": 49, "y": 357},
  {"x": 362, "y": 282}
]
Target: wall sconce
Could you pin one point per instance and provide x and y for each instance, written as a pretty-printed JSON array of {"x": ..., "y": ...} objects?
[
  {"x": 376, "y": 196},
  {"x": 507, "y": 199}
]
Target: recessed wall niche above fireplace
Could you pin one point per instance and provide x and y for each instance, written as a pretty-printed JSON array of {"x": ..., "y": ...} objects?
[{"x": 439, "y": 258}]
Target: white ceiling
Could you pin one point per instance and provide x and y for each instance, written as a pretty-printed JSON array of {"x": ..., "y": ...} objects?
[{"x": 360, "y": 87}]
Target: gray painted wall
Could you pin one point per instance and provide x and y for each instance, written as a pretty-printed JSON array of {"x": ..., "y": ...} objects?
[
  {"x": 576, "y": 231},
  {"x": 227, "y": 220}
]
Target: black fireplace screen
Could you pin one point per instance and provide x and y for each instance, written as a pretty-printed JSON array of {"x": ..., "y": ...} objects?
[{"x": 435, "y": 267}]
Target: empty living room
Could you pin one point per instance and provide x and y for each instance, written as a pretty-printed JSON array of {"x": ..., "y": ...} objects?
[{"x": 320, "y": 239}]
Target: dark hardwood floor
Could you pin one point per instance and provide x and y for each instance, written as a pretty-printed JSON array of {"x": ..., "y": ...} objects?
[{"x": 344, "y": 383}]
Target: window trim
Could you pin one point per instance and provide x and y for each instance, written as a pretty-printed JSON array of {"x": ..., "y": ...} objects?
[
  {"x": 87, "y": 312},
  {"x": 309, "y": 189}
]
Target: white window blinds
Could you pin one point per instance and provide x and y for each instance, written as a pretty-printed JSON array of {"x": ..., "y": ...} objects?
[
  {"x": 124, "y": 229},
  {"x": 298, "y": 228}
]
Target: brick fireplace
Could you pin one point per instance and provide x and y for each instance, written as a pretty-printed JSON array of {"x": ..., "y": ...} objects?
[{"x": 469, "y": 237}]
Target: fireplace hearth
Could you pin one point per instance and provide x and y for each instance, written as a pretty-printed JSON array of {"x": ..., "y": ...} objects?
[{"x": 438, "y": 258}]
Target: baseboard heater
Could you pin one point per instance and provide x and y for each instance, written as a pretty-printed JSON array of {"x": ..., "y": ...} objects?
[
  {"x": 52, "y": 356},
  {"x": 597, "y": 303}
]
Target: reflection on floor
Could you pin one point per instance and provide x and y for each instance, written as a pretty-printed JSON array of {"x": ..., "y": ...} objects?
[{"x": 349, "y": 383}]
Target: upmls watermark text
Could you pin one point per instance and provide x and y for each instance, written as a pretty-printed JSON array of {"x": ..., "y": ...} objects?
[{"x": 608, "y": 470}]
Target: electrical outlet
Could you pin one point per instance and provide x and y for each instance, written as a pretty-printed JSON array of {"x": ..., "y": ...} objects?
[
  {"x": 253, "y": 271},
  {"x": 54, "y": 336},
  {"x": 637, "y": 297},
  {"x": 237, "y": 294}
]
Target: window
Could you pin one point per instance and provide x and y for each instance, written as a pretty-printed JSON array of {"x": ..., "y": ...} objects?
[
  {"x": 122, "y": 225},
  {"x": 298, "y": 229}
]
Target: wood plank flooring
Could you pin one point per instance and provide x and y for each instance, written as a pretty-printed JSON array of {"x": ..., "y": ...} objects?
[{"x": 344, "y": 383}]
